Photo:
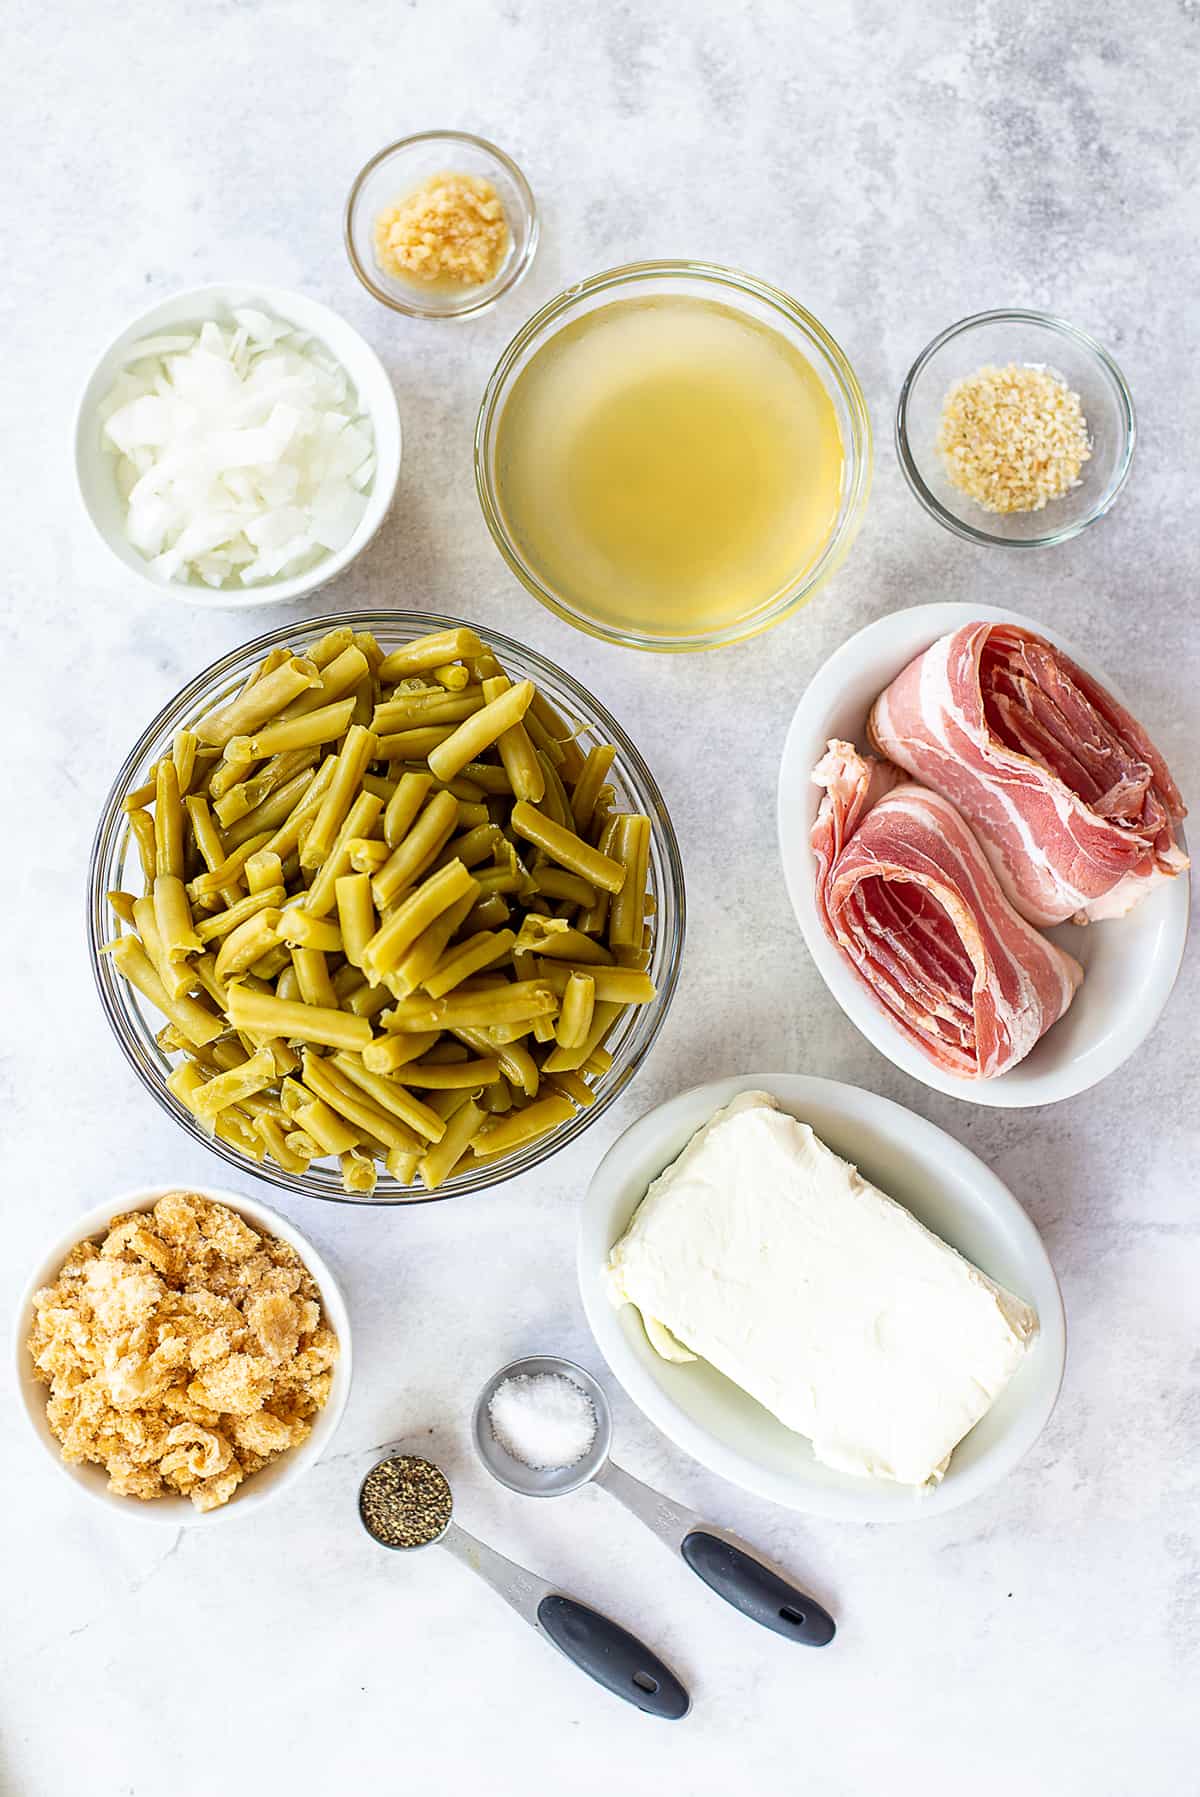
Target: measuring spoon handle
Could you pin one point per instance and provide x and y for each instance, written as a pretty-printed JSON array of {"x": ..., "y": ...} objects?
[
  {"x": 597, "y": 1645},
  {"x": 726, "y": 1564}
]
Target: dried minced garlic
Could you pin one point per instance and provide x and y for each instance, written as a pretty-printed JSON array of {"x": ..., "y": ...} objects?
[
  {"x": 1013, "y": 438},
  {"x": 183, "y": 1352},
  {"x": 451, "y": 229}
]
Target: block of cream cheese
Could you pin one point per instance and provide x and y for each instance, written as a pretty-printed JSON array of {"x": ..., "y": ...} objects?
[{"x": 766, "y": 1254}]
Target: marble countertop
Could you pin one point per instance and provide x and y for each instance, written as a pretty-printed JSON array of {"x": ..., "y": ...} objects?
[{"x": 896, "y": 168}]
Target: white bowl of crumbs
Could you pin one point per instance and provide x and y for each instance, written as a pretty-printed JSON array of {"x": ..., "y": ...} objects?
[
  {"x": 1015, "y": 428},
  {"x": 183, "y": 1354}
]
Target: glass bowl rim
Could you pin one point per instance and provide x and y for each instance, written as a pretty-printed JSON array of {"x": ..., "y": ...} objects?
[
  {"x": 858, "y": 450},
  {"x": 961, "y": 527},
  {"x": 672, "y": 914},
  {"x": 491, "y": 292}
]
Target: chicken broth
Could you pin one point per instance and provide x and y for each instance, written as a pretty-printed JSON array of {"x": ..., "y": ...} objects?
[{"x": 669, "y": 465}]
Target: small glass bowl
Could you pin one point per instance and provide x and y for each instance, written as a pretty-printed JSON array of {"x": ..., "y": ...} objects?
[
  {"x": 400, "y": 168},
  {"x": 1034, "y": 339},
  {"x": 758, "y": 300},
  {"x": 115, "y": 866}
]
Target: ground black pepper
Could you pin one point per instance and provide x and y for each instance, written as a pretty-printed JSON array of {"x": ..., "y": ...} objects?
[{"x": 405, "y": 1502}]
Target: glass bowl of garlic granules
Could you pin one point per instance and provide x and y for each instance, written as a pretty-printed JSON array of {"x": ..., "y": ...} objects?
[
  {"x": 183, "y": 1354},
  {"x": 440, "y": 225},
  {"x": 1015, "y": 428}
]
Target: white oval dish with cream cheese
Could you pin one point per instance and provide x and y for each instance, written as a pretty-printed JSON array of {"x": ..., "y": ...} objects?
[{"x": 918, "y": 1343}]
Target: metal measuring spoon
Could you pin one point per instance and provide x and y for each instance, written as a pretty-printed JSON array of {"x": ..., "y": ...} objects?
[
  {"x": 725, "y": 1563},
  {"x": 405, "y": 1502}
]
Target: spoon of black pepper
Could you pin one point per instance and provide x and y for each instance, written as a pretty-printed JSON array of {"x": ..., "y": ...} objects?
[
  {"x": 726, "y": 1564},
  {"x": 405, "y": 1502}
]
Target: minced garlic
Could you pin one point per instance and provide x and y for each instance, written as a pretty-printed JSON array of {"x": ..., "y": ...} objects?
[
  {"x": 451, "y": 229},
  {"x": 1013, "y": 438}
]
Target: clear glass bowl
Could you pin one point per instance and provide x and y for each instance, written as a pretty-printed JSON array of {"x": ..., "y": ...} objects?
[
  {"x": 395, "y": 172},
  {"x": 768, "y": 305},
  {"x": 1040, "y": 340},
  {"x": 114, "y": 865}
]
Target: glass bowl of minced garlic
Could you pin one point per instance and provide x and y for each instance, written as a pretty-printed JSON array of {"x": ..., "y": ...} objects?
[
  {"x": 1015, "y": 428},
  {"x": 440, "y": 225}
]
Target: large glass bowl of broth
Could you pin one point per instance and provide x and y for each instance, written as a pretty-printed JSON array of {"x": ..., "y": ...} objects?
[{"x": 673, "y": 455}]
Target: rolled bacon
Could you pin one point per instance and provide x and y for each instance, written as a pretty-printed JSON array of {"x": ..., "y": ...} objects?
[
  {"x": 906, "y": 893},
  {"x": 1072, "y": 802}
]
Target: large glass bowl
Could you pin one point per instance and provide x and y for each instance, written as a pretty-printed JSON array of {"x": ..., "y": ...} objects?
[
  {"x": 114, "y": 865},
  {"x": 757, "y": 300}
]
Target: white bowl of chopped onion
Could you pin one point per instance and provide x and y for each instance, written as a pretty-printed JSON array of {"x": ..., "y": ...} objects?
[
  {"x": 270, "y": 1480},
  {"x": 238, "y": 445}
]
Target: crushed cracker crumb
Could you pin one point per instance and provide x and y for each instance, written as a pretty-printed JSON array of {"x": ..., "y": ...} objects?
[
  {"x": 183, "y": 1352},
  {"x": 1013, "y": 438}
]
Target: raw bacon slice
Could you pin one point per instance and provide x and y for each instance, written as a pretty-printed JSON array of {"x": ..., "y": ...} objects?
[
  {"x": 906, "y": 893},
  {"x": 1071, "y": 800}
]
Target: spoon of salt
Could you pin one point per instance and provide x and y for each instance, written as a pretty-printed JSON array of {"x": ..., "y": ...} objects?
[
  {"x": 516, "y": 1401},
  {"x": 405, "y": 1502}
]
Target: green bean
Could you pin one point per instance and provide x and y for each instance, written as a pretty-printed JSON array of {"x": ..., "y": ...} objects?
[
  {"x": 359, "y": 821},
  {"x": 308, "y": 731},
  {"x": 502, "y": 1135},
  {"x": 190, "y": 1017},
  {"x": 432, "y": 705},
  {"x": 625, "y": 910},
  {"x": 438, "y": 1163},
  {"x": 233, "y": 1087},
  {"x": 569, "y": 1060},
  {"x": 258, "y": 702},
  {"x": 390, "y": 1053},
  {"x": 355, "y": 754},
  {"x": 517, "y": 1002},
  {"x": 569, "y": 850},
  {"x": 515, "y": 749},
  {"x": 168, "y": 821},
  {"x": 427, "y": 950},
  {"x": 477, "y": 952},
  {"x": 356, "y": 914},
  {"x": 479, "y": 732},
  {"x": 575, "y": 1014},
  {"x": 391, "y": 1096},
  {"x": 557, "y": 883},
  {"x": 300, "y": 929},
  {"x": 458, "y": 644},
  {"x": 271, "y": 812},
  {"x": 615, "y": 985},
  {"x": 325, "y": 1081},
  {"x": 553, "y": 936},
  {"x": 402, "y": 807},
  {"x": 213, "y": 929},
  {"x": 176, "y": 976},
  {"x": 359, "y": 1173},
  {"x": 312, "y": 977},
  {"x": 244, "y": 947},
  {"x": 413, "y": 854},
  {"x": 411, "y": 745},
  {"x": 304, "y": 1023},
  {"x": 401, "y": 928}
]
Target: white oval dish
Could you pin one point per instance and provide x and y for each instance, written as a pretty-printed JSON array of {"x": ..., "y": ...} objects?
[
  {"x": 1130, "y": 963},
  {"x": 95, "y": 466},
  {"x": 278, "y": 1475},
  {"x": 942, "y": 1183}
]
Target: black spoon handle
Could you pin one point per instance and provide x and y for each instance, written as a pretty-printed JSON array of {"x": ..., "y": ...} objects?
[
  {"x": 727, "y": 1566},
  {"x": 613, "y": 1657},
  {"x": 754, "y": 1589},
  {"x": 601, "y": 1648}
]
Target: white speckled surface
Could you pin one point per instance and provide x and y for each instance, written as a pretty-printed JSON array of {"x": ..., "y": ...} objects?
[{"x": 895, "y": 167}]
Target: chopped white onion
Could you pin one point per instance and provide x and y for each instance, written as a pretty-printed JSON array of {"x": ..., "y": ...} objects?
[{"x": 243, "y": 452}]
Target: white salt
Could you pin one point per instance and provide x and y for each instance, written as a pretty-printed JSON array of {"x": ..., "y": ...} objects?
[{"x": 543, "y": 1420}]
